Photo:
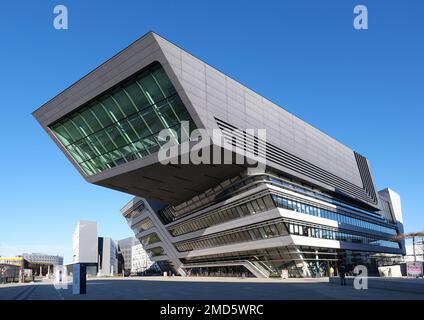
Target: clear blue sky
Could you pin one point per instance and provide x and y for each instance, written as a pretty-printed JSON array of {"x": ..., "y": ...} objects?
[{"x": 365, "y": 88}]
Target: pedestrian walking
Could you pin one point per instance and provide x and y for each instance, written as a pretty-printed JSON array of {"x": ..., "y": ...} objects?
[
  {"x": 331, "y": 271},
  {"x": 342, "y": 274}
]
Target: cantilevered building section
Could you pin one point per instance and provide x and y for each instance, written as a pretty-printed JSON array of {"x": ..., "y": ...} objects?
[{"x": 315, "y": 205}]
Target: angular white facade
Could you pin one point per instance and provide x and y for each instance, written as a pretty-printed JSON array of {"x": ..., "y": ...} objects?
[
  {"x": 140, "y": 260},
  {"x": 84, "y": 245},
  {"x": 108, "y": 257}
]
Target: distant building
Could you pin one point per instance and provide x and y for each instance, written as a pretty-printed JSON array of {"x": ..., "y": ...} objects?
[
  {"x": 37, "y": 264},
  {"x": 41, "y": 258},
  {"x": 41, "y": 264},
  {"x": 13, "y": 261},
  {"x": 135, "y": 258},
  {"x": 125, "y": 250},
  {"x": 108, "y": 257},
  {"x": 85, "y": 246},
  {"x": 419, "y": 252},
  {"x": 140, "y": 261},
  {"x": 99, "y": 254},
  {"x": 9, "y": 273}
]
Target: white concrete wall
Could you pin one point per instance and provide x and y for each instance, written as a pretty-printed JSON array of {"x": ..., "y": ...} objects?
[
  {"x": 85, "y": 246},
  {"x": 140, "y": 261}
]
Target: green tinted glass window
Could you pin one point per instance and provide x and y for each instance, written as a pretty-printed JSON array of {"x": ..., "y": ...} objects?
[
  {"x": 151, "y": 89},
  {"x": 123, "y": 124}
]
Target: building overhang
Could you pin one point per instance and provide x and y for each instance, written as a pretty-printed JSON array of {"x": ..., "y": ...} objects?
[{"x": 213, "y": 100}]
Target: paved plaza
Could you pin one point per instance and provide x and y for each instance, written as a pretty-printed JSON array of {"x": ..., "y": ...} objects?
[{"x": 159, "y": 288}]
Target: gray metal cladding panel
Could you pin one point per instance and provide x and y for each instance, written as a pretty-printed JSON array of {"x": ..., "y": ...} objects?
[
  {"x": 303, "y": 168},
  {"x": 366, "y": 176},
  {"x": 120, "y": 67},
  {"x": 171, "y": 184},
  {"x": 102, "y": 78},
  {"x": 208, "y": 94},
  {"x": 131, "y": 60},
  {"x": 213, "y": 94},
  {"x": 216, "y": 96}
]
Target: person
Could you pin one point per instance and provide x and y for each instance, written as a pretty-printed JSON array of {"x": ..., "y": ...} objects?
[
  {"x": 331, "y": 271},
  {"x": 342, "y": 273}
]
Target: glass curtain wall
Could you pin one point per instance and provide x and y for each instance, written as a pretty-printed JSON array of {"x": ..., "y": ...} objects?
[
  {"x": 275, "y": 229},
  {"x": 266, "y": 203},
  {"x": 123, "y": 123},
  {"x": 297, "y": 206}
]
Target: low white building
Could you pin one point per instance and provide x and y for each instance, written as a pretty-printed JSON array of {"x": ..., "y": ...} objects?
[
  {"x": 140, "y": 260},
  {"x": 43, "y": 258}
]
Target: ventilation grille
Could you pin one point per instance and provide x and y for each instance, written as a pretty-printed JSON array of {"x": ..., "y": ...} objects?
[
  {"x": 364, "y": 171},
  {"x": 247, "y": 142}
]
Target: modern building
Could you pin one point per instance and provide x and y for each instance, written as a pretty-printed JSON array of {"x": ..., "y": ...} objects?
[
  {"x": 41, "y": 258},
  {"x": 140, "y": 261},
  {"x": 125, "y": 250},
  {"x": 135, "y": 258},
  {"x": 42, "y": 264},
  {"x": 99, "y": 254},
  {"x": 271, "y": 193},
  {"x": 108, "y": 257},
  {"x": 85, "y": 243},
  {"x": 419, "y": 252},
  {"x": 37, "y": 264}
]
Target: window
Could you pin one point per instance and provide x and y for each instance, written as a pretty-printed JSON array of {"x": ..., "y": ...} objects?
[
  {"x": 123, "y": 123},
  {"x": 245, "y": 210},
  {"x": 261, "y": 204},
  {"x": 250, "y": 208},
  {"x": 240, "y": 211},
  {"x": 268, "y": 202},
  {"x": 256, "y": 206},
  {"x": 263, "y": 233}
]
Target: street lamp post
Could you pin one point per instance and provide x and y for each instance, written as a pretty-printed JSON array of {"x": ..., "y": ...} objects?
[{"x": 413, "y": 248}]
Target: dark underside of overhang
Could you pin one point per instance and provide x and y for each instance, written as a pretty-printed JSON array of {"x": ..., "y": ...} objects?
[{"x": 171, "y": 184}]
